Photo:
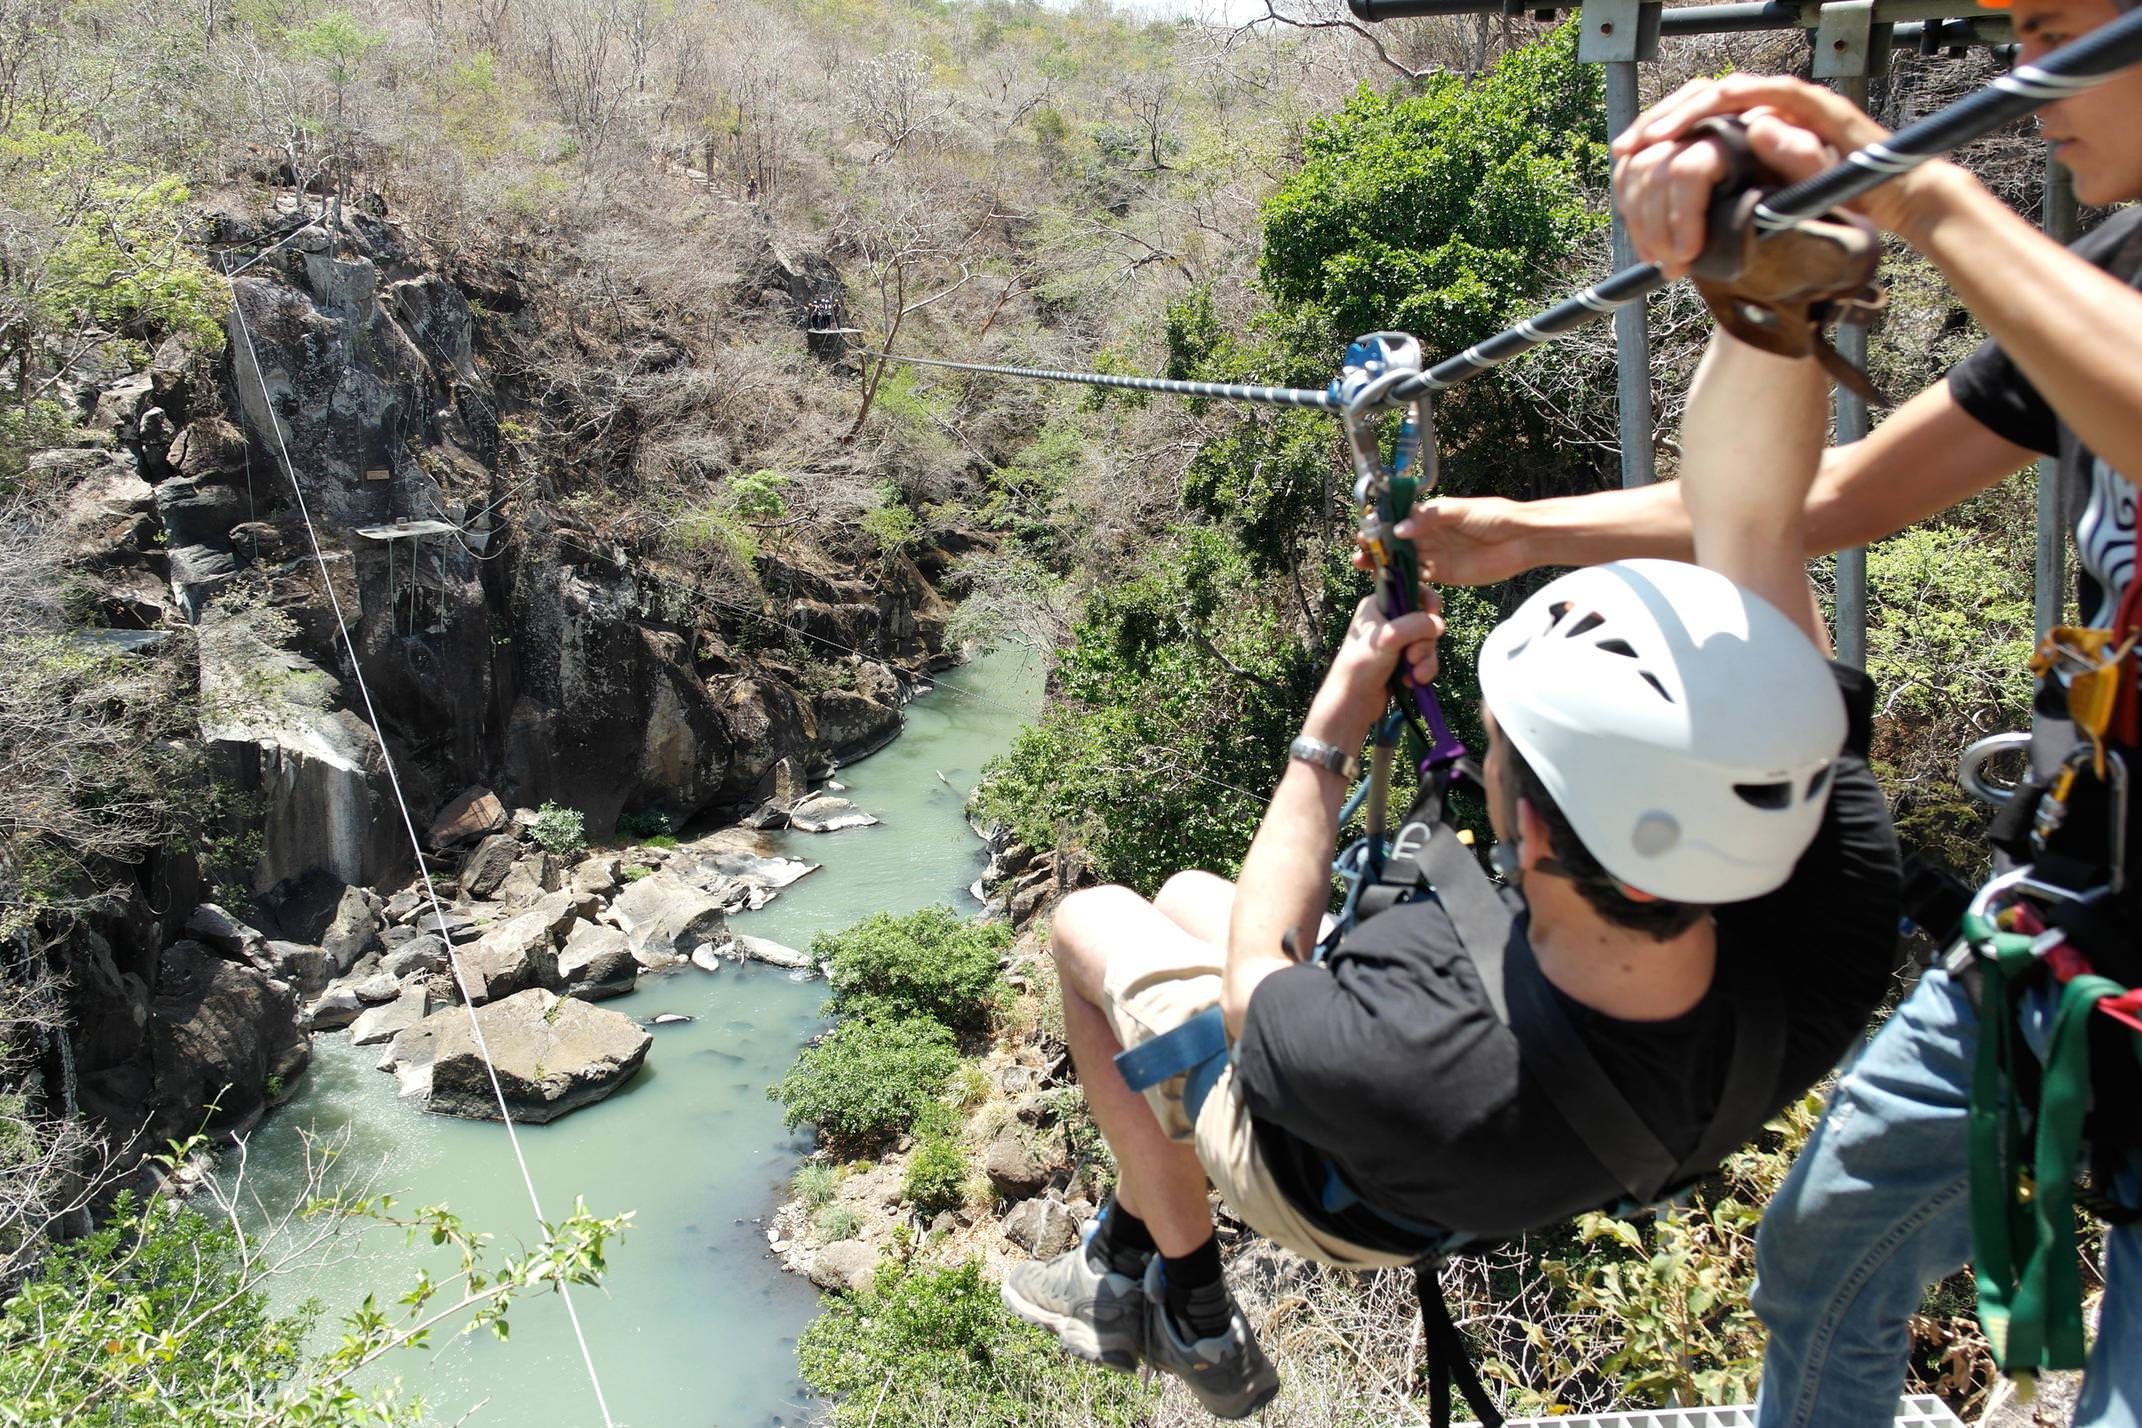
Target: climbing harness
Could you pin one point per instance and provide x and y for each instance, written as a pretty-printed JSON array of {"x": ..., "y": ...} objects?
[{"x": 2052, "y": 942}]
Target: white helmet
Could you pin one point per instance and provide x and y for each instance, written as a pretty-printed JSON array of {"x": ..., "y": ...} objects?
[{"x": 1684, "y": 726}]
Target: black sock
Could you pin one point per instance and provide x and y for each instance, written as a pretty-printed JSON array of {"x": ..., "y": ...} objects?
[
  {"x": 1121, "y": 1243},
  {"x": 1197, "y": 1293}
]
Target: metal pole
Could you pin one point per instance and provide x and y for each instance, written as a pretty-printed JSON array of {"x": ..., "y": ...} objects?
[
  {"x": 1852, "y": 426},
  {"x": 1632, "y": 332},
  {"x": 2057, "y": 215}
]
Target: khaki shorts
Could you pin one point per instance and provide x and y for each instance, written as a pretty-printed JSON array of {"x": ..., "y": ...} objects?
[{"x": 1145, "y": 996}]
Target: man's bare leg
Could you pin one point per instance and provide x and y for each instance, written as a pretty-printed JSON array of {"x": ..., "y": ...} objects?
[{"x": 1160, "y": 1182}]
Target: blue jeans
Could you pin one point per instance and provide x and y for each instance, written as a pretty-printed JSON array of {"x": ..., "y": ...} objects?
[{"x": 1876, "y": 1209}]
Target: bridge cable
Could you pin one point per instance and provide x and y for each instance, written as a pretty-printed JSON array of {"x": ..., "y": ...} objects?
[{"x": 394, "y": 781}]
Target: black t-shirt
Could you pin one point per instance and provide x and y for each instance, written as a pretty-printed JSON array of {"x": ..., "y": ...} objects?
[
  {"x": 1388, "y": 1059},
  {"x": 2099, "y": 501}
]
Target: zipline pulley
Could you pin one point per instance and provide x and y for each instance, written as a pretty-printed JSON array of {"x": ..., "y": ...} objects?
[{"x": 1384, "y": 491}]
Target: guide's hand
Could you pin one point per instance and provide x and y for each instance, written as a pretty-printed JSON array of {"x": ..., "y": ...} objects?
[
  {"x": 1465, "y": 540},
  {"x": 1663, "y": 183},
  {"x": 1356, "y": 690}
]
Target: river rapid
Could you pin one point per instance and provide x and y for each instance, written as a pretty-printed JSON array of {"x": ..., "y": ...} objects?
[{"x": 698, "y": 1325}]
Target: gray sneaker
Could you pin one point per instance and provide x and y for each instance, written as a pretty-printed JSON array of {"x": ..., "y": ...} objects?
[
  {"x": 1228, "y": 1373},
  {"x": 1095, "y": 1314}
]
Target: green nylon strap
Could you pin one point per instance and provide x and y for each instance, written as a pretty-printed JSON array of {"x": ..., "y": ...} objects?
[
  {"x": 1996, "y": 1137},
  {"x": 2029, "y": 1285}
]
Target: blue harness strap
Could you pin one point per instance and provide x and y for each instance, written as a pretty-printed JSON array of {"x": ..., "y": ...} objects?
[{"x": 1198, "y": 1048}]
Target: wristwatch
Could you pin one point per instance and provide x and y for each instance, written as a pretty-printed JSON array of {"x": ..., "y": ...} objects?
[{"x": 1325, "y": 756}]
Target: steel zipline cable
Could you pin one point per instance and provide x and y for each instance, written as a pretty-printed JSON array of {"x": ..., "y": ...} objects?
[{"x": 2068, "y": 71}]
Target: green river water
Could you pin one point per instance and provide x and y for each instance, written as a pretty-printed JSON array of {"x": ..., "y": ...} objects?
[{"x": 698, "y": 1326}]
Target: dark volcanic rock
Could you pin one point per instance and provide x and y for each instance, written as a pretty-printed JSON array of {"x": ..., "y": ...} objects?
[
  {"x": 851, "y": 725},
  {"x": 488, "y": 864},
  {"x": 218, "y": 1031},
  {"x": 469, "y": 817}
]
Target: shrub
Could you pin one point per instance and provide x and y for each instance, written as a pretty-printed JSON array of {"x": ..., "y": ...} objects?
[
  {"x": 814, "y": 1183},
  {"x": 649, "y": 823},
  {"x": 931, "y": 963},
  {"x": 890, "y": 523},
  {"x": 558, "y": 829},
  {"x": 836, "y": 1222},
  {"x": 934, "y": 1345},
  {"x": 936, "y": 1175},
  {"x": 868, "y": 1079}
]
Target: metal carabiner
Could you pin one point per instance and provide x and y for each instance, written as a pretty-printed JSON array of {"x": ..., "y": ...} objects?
[{"x": 1385, "y": 492}]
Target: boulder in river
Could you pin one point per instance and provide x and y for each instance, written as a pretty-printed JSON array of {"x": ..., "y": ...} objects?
[
  {"x": 377, "y": 989},
  {"x": 419, "y": 956},
  {"x": 820, "y": 814},
  {"x": 409, "y": 1053},
  {"x": 552, "y": 1054},
  {"x": 665, "y": 918},
  {"x": 337, "y": 1007},
  {"x": 390, "y": 1019},
  {"x": 353, "y": 933},
  {"x": 220, "y": 1034},
  {"x": 596, "y": 962},
  {"x": 305, "y": 968},
  {"x": 775, "y": 954},
  {"x": 523, "y": 951}
]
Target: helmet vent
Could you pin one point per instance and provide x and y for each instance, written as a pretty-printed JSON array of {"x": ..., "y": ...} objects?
[
  {"x": 1770, "y": 796},
  {"x": 1653, "y": 681},
  {"x": 1555, "y": 612},
  {"x": 1620, "y": 647},
  {"x": 1586, "y": 625},
  {"x": 1819, "y": 782}
]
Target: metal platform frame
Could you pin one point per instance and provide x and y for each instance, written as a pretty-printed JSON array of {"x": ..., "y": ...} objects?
[
  {"x": 1850, "y": 41},
  {"x": 415, "y": 532},
  {"x": 1919, "y": 1411}
]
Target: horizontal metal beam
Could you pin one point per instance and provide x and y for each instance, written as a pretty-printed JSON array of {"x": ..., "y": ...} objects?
[{"x": 1960, "y": 24}]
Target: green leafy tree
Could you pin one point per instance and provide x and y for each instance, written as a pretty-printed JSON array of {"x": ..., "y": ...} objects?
[
  {"x": 933, "y": 963},
  {"x": 866, "y": 1081},
  {"x": 1447, "y": 213},
  {"x": 936, "y": 1174},
  {"x": 162, "y": 1317}
]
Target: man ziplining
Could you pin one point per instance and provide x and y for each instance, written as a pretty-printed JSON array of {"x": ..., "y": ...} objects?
[
  {"x": 1876, "y": 1208},
  {"x": 1677, "y": 781}
]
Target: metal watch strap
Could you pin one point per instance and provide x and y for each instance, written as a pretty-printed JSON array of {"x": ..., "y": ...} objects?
[{"x": 1324, "y": 756}]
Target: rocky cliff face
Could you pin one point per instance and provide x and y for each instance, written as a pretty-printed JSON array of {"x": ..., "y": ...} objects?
[{"x": 502, "y": 644}]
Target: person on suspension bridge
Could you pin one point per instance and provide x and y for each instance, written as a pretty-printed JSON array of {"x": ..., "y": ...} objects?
[
  {"x": 1675, "y": 777},
  {"x": 1876, "y": 1208}
]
